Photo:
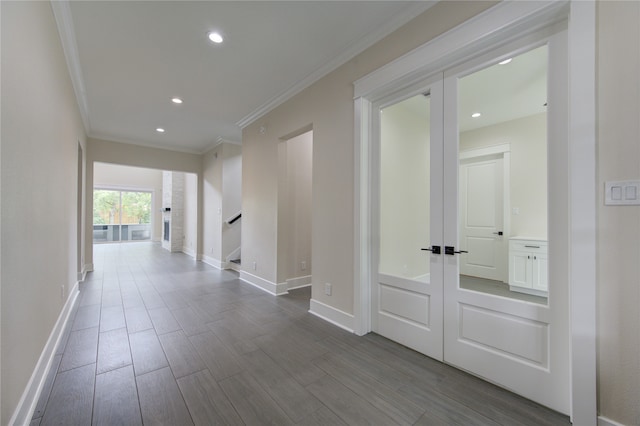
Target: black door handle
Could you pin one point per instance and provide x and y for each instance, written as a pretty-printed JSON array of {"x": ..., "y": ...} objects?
[
  {"x": 433, "y": 249},
  {"x": 499, "y": 233},
  {"x": 450, "y": 250}
]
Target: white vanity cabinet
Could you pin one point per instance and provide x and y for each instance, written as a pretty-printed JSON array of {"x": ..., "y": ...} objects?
[{"x": 528, "y": 266}]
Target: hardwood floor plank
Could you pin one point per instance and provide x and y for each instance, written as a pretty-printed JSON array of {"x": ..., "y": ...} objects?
[
  {"x": 71, "y": 399},
  {"x": 112, "y": 318},
  {"x": 163, "y": 320},
  {"x": 82, "y": 349},
  {"x": 206, "y": 400},
  {"x": 137, "y": 319},
  {"x": 86, "y": 317},
  {"x": 182, "y": 356},
  {"x": 292, "y": 397},
  {"x": 400, "y": 409},
  {"x": 161, "y": 402},
  {"x": 220, "y": 361},
  {"x": 350, "y": 407},
  {"x": 113, "y": 350},
  {"x": 146, "y": 352},
  {"x": 190, "y": 321},
  {"x": 116, "y": 398},
  {"x": 259, "y": 409}
]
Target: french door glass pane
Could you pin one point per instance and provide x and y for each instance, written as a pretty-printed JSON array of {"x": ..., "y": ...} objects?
[
  {"x": 502, "y": 122},
  {"x": 404, "y": 188},
  {"x": 121, "y": 216}
]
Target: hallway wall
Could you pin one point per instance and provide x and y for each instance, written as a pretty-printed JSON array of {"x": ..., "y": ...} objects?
[{"x": 41, "y": 129}]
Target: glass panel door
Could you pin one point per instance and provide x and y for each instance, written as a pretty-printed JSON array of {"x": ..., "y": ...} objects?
[{"x": 121, "y": 216}]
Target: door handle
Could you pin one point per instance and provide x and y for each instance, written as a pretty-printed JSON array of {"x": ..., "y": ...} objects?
[
  {"x": 450, "y": 250},
  {"x": 433, "y": 249},
  {"x": 498, "y": 233}
]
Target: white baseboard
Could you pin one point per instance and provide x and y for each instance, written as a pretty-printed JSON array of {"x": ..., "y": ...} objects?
[
  {"x": 299, "y": 282},
  {"x": 27, "y": 404},
  {"x": 261, "y": 283},
  {"x": 88, "y": 267},
  {"x": 233, "y": 266},
  {"x": 332, "y": 315},
  {"x": 213, "y": 262},
  {"x": 603, "y": 421},
  {"x": 189, "y": 252}
]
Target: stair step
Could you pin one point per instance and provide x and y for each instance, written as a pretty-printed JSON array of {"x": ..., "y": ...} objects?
[{"x": 236, "y": 261}]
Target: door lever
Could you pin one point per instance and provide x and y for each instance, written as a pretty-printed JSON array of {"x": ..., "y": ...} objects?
[
  {"x": 450, "y": 250},
  {"x": 498, "y": 233},
  {"x": 433, "y": 249}
]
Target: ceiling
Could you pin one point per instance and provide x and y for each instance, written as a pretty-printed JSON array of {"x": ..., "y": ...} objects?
[{"x": 128, "y": 59}]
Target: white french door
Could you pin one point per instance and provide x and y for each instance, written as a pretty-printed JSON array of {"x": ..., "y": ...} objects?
[{"x": 515, "y": 341}]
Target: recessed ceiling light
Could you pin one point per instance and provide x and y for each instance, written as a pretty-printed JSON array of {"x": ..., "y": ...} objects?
[
  {"x": 506, "y": 61},
  {"x": 176, "y": 100},
  {"x": 475, "y": 115},
  {"x": 160, "y": 130},
  {"x": 215, "y": 37}
]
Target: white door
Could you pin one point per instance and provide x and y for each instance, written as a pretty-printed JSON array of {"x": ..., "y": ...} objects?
[
  {"x": 516, "y": 342},
  {"x": 407, "y": 295},
  {"x": 481, "y": 218},
  {"x": 519, "y": 344}
]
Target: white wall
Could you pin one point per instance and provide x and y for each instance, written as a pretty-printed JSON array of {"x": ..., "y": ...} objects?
[
  {"x": 41, "y": 128},
  {"x": 190, "y": 218},
  {"x": 404, "y": 189},
  {"x": 136, "y": 178},
  {"x": 212, "y": 207},
  {"x": 295, "y": 208},
  {"x": 527, "y": 138},
  {"x": 618, "y": 270}
]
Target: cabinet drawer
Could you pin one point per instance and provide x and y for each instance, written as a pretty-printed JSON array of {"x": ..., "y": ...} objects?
[{"x": 528, "y": 246}]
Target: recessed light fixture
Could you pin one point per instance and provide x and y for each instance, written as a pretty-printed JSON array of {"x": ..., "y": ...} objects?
[
  {"x": 176, "y": 100},
  {"x": 506, "y": 61},
  {"x": 160, "y": 130},
  {"x": 215, "y": 37},
  {"x": 475, "y": 115}
]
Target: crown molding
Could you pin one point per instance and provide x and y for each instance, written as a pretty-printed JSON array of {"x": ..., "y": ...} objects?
[
  {"x": 352, "y": 51},
  {"x": 62, "y": 14},
  {"x": 145, "y": 144}
]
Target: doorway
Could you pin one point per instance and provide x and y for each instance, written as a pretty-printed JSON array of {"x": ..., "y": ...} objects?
[{"x": 436, "y": 201}]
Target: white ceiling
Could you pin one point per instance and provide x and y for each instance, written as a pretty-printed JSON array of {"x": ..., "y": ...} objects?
[{"x": 129, "y": 58}]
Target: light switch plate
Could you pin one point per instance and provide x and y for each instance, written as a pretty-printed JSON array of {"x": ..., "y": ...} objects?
[{"x": 622, "y": 193}]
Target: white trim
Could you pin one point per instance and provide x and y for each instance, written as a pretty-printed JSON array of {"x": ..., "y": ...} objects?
[
  {"x": 27, "y": 405},
  {"x": 483, "y": 152},
  {"x": 336, "y": 61},
  {"x": 298, "y": 282},
  {"x": 190, "y": 252},
  {"x": 64, "y": 22},
  {"x": 503, "y": 22},
  {"x": 332, "y": 315},
  {"x": 603, "y": 421},
  {"x": 211, "y": 261},
  {"x": 117, "y": 139},
  {"x": 583, "y": 184},
  {"x": 268, "y": 286}
]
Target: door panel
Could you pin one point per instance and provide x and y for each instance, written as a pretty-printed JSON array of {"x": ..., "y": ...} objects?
[{"x": 407, "y": 300}]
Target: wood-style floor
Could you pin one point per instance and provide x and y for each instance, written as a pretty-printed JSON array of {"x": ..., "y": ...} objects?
[{"x": 158, "y": 338}]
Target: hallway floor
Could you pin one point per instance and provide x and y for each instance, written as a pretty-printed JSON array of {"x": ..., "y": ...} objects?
[{"x": 157, "y": 338}]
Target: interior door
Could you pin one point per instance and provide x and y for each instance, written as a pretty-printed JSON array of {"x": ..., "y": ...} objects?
[
  {"x": 519, "y": 344},
  {"x": 407, "y": 298},
  {"x": 481, "y": 218}
]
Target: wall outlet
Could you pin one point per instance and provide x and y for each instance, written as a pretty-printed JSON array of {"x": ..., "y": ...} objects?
[
  {"x": 255, "y": 266},
  {"x": 327, "y": 289},
  {"x": 303, "y": 265}
]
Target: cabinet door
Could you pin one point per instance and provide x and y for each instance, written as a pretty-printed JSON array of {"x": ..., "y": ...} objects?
[
  {"x": 540, "y": 267},
  {"x": 520, "y": 270}
]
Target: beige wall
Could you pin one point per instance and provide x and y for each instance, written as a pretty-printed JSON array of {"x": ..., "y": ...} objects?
[
  {"x": 295, "y": 207},
  {"x": 618, "y": 227},
  {"x": 328, "y": 106},
  {"x": 190, "y": 218},
  {"x": 527, "y": 138},
  {"x": 41, "y": 128},
  {"x": 231, "y": 197},
  {"x": 125, "y": 177},
  {"x": 212, "y": 208}
]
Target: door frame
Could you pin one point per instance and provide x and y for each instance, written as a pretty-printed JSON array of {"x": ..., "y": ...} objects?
[{"x": 499, "y": 25}]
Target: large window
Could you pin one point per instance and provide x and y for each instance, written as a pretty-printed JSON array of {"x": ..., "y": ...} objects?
[{"x": 121, "y": 216}]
